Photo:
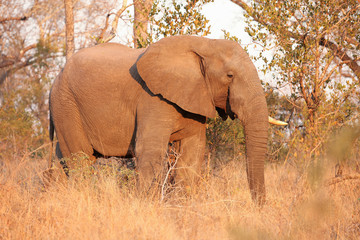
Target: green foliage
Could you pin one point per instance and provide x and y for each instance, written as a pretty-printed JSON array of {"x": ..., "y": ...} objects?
[
  {"x": 15, "y": 124},
  {"x": 225, "y": 139},
  {"x": 178, "y": 18},
  {"x": 23, "y": 105},
  {"x": 230, "y": 37}
]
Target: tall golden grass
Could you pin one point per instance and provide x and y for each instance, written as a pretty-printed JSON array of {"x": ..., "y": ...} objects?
[{"x": 299, "y": 206}]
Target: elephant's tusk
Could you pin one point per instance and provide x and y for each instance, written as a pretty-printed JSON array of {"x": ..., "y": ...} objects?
[{"x": 277, "y": 122}]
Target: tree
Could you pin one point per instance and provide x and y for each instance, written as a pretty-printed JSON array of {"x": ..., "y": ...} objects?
[
  {"x": 28, "y": 49},
  {"x": 330, "y": 23},
  {"x": 142, "y": 10},
  {"x": 69, "y": 23},
  {"x": 316, "y": 49}
]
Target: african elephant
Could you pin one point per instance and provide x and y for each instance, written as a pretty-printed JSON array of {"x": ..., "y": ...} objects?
[{"x": 118, "y": 101}]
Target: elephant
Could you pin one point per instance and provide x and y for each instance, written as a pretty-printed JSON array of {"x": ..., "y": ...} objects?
[{"x": 113, "y": 100}]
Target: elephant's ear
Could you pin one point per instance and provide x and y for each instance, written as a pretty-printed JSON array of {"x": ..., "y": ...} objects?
[{"x": 172, "y": 68}]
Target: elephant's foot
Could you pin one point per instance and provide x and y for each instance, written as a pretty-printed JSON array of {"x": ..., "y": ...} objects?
[{"x": 150, "y": 181}]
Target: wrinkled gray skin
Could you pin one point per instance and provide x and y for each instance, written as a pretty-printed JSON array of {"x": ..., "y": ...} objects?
[{"x": 132, "y": 102}]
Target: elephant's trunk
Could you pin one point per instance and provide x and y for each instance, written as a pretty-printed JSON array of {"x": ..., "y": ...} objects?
[
  {"x": 248, "y": 102},
  {"x": 256, "y": 134}
]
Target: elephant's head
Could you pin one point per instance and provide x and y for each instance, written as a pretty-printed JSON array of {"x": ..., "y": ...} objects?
[{"x": 201, "y": 75}]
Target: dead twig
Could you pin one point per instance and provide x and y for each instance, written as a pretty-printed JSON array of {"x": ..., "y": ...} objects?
[
  {"x": 172, "y": 165},
  {"x": 114, "y": 24},
  {"x": 342, "y": 179}
]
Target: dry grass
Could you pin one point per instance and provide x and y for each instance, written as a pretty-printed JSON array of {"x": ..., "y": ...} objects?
[{"x": 98, "y": 208}]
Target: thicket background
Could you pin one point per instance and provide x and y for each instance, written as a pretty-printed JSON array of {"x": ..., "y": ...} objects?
[{"x": 310, "y": 48}]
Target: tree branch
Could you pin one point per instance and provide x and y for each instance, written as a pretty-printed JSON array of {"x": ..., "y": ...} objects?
[
  {"x": 19, "y": 65},
  {"x": 24, "y": 50},
  {"x": 342, "y": 179},
  {"x": 351, "y": 63},
  {"x": 69, "y": 22},
  {"x": 12, "y": 70},
  {"x": 23, "y": 18},
  {"x": 103, "y": 31},
  {"x": 7, "y": 61},
  {"x": 250, "y": 11},
  {"x": 114, "y": 24}
]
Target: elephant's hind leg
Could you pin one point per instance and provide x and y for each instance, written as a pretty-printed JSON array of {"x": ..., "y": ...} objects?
[{"x": 75, "y": 147}]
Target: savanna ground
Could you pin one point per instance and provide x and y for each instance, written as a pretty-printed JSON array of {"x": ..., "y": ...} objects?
[{"x": 302, "y": 203}]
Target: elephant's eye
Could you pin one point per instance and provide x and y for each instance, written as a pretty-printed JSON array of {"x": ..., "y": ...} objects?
[{"x": 230, "y": 75}]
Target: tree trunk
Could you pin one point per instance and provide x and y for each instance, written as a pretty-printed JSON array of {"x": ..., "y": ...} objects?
[
  {"x": 142, "y": 9},
  {"x": 69, "y": 22}
]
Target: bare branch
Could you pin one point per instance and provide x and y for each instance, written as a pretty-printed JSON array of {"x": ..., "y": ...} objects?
[
  {"x": 352, "y": 41},
  {"x": 172, "y": 166},
  {"x": 8, "y": 61},
  {"x": 103, "y": 31},
  {"x": 117, "y": 16},
  {"x": 23, "y": 18},
  {"x": 114, "y": 23},
  {"x": 342, "y": 179},
  {"x": 250, "y": 11},
  {"x": 352, "y": 64},
  {"x": 322, "y": 77},
  {"x": 12, "y": 70},
  {"x": 24, "y": 50}
]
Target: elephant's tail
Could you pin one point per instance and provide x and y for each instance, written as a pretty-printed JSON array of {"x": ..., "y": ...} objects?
[
  {"x": 51, "y": 129},
  {"x": 51, "y": 136}
]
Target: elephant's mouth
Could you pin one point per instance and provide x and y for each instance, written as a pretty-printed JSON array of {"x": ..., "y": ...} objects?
[
  {"x": 230, "y": 113},
  {"x": 225, "y": 113}
]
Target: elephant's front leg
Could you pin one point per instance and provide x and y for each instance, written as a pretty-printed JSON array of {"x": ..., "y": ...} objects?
[
  {"x": 150, "y": 150},
  {"x": 188, "y": 168}
]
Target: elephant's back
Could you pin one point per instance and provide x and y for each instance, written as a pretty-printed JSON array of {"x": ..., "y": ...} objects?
[
  {"x": 110, "y": 51},
  {"x": 103, "y": 70},
  {"x": 106, "y": 55}
]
